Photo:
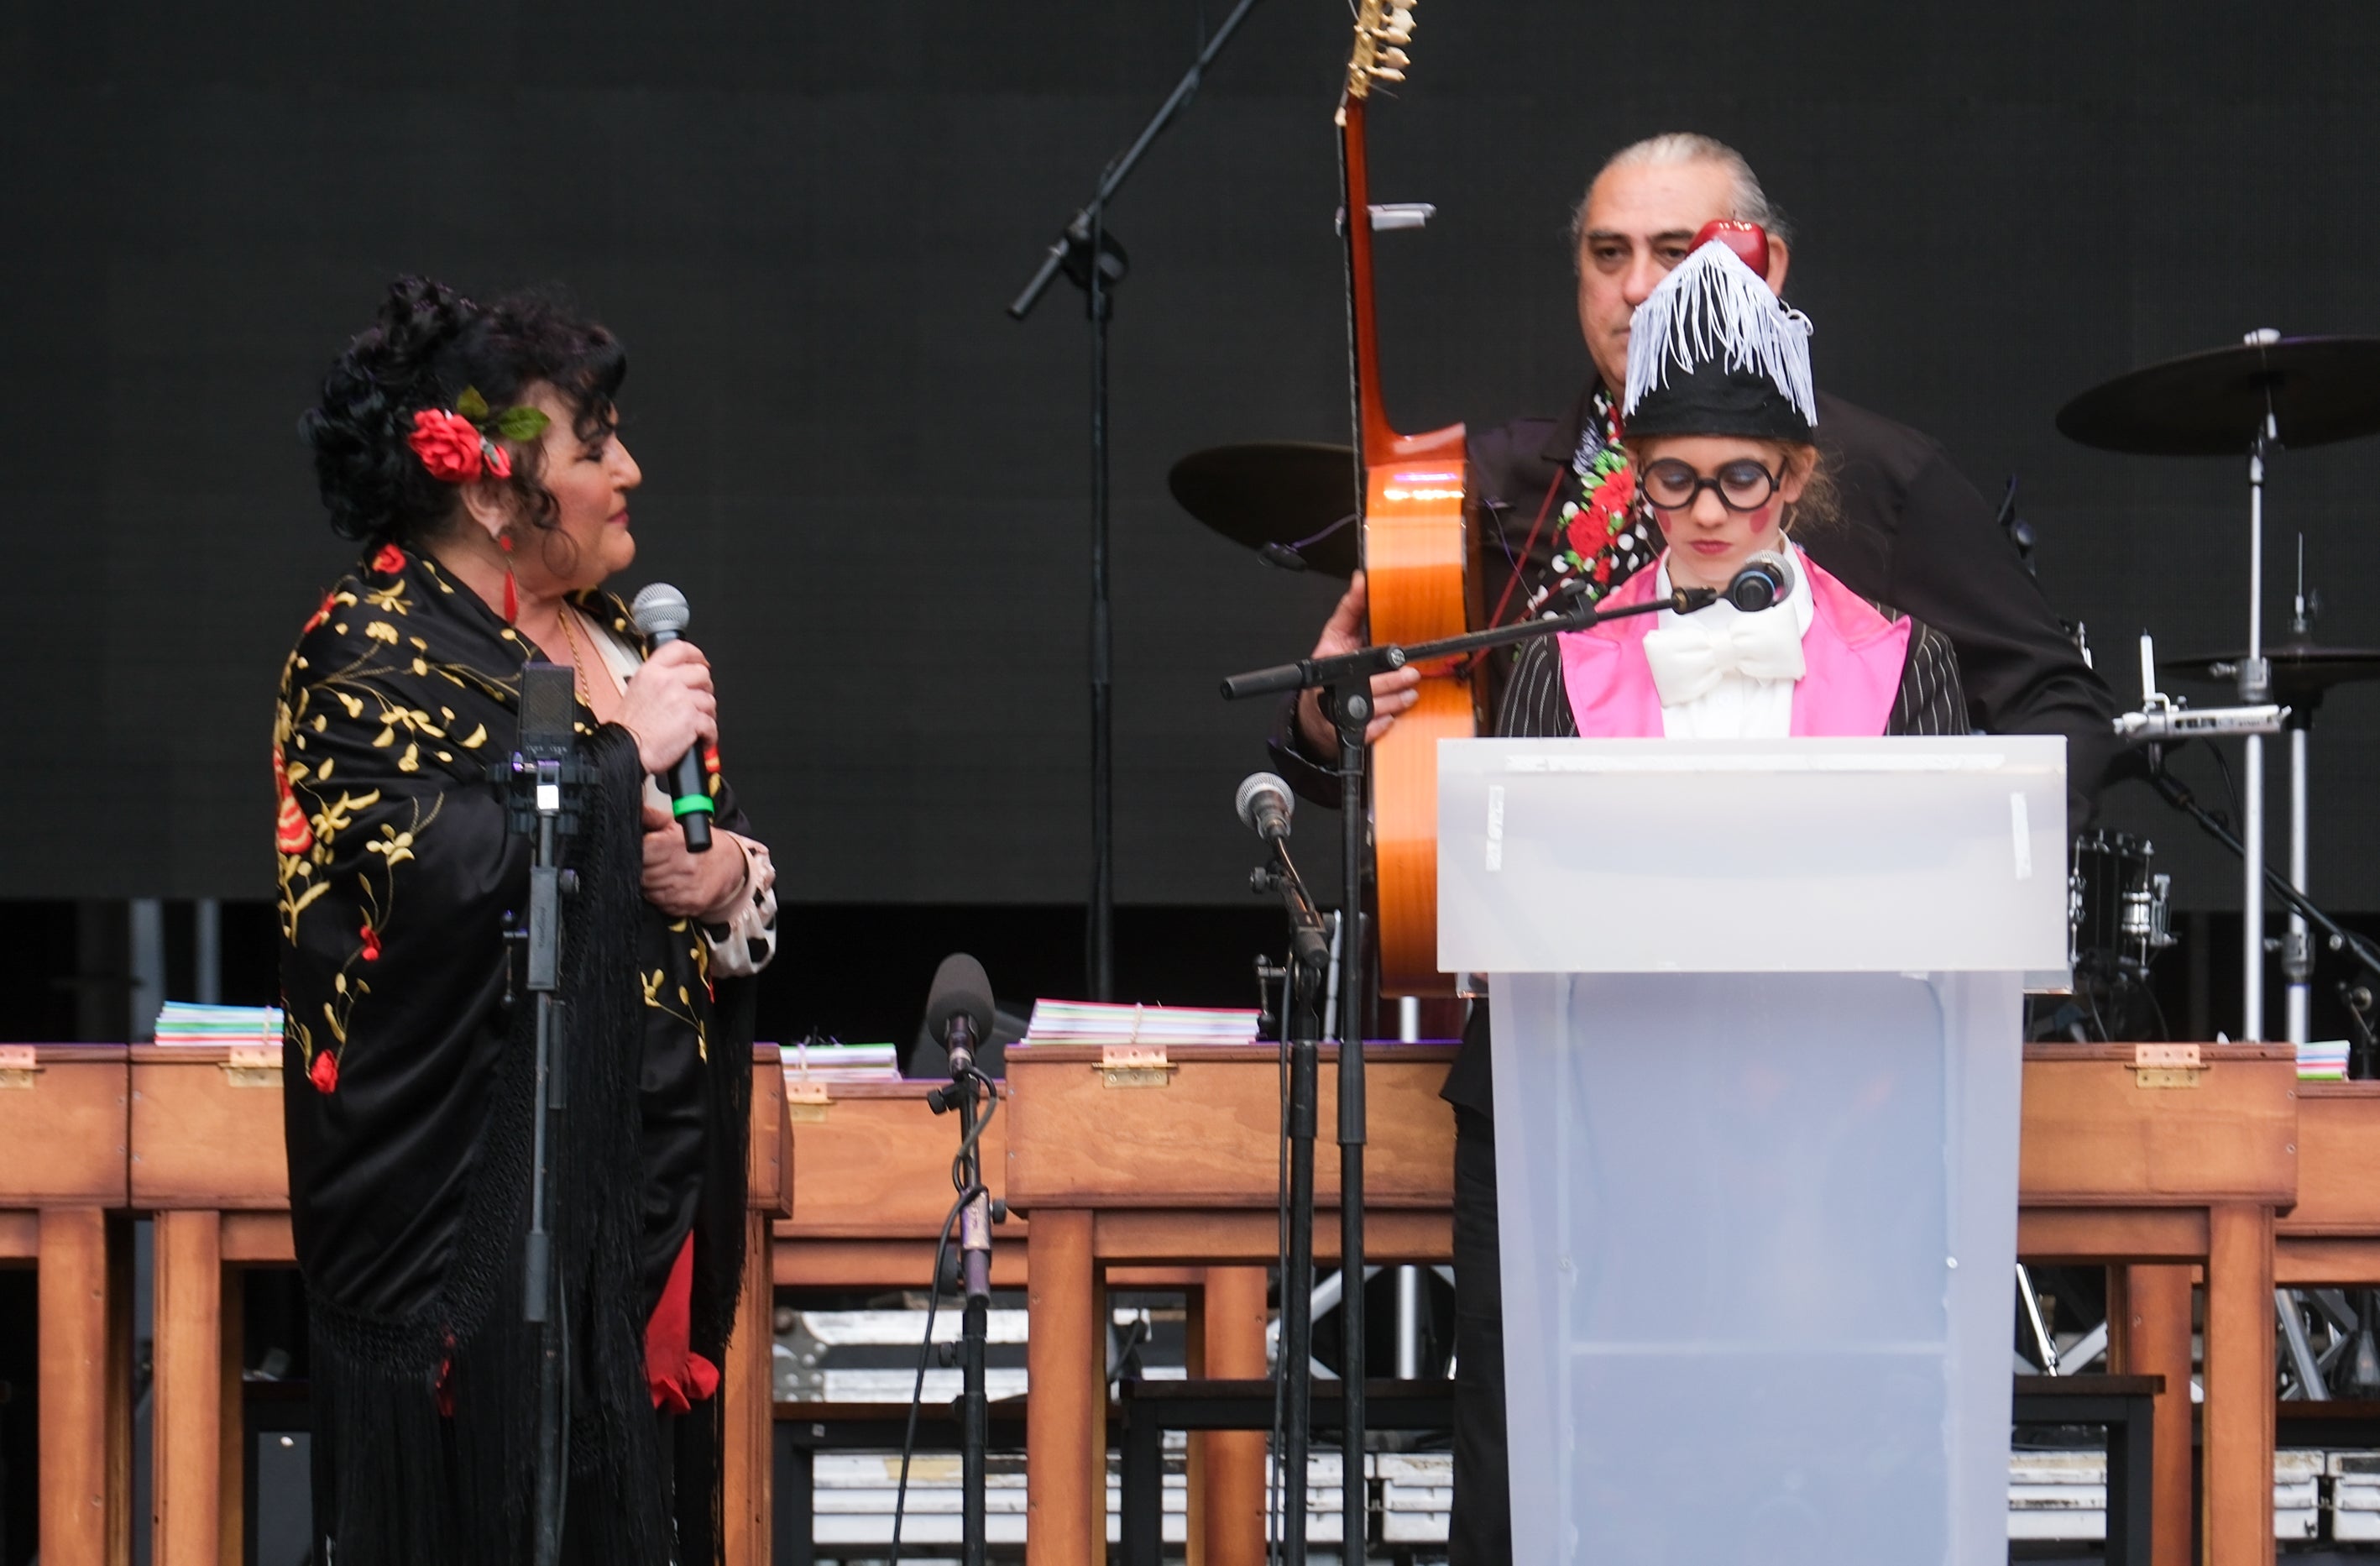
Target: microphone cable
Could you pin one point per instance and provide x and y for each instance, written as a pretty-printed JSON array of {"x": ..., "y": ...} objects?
[{"x": 967, "y": 1192}]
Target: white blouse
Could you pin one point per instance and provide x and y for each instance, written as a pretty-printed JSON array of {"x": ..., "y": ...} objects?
[{"x": 1737, "y": 707}]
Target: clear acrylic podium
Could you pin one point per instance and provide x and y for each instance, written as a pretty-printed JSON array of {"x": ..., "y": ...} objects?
[{"x": 1757, "y": 1027}]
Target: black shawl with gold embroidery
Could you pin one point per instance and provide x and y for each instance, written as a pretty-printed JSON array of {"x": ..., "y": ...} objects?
[{"x": 406, "y": 1065}]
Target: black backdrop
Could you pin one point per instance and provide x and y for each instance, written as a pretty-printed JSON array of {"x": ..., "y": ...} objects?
[{"x": 871, "y": 484}]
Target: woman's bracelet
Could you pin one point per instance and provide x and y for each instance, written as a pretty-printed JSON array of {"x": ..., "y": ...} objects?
[{"x": 743, "y": 883}]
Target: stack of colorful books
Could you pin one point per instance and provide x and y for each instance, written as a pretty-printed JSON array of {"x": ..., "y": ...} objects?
[
  {"x": 1102, "y": 1022},
  {"x": 2323, "y": 1061},
  {"x": 186, "y": 1022},
  {"x": 834, "y": 1062}
]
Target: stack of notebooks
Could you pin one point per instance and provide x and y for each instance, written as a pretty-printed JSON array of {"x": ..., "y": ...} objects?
[
  {"x": 1100, "y": 1021},
  {"x": 838, "y": 1063},
  {"x": 186, "y": 1022},
  {"x": 2323, "y": 1061}
]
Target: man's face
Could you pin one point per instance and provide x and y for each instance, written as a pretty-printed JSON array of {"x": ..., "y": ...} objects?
[{"x": 1639, "y": 223}]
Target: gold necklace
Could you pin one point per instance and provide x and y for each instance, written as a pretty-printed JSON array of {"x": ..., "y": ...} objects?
[{"x": 578, "y": 655}]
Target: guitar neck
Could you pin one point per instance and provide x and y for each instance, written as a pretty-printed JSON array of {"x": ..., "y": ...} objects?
[{"x": 1372, "y": 428}]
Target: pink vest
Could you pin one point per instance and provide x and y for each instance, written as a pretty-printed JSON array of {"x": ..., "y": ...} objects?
[{"x": 1851, "y": 659}]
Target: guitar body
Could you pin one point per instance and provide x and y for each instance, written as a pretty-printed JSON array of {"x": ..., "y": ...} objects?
[
  {"x": 1419, "y": 570},
  {"x": 1417, "y": 566}
]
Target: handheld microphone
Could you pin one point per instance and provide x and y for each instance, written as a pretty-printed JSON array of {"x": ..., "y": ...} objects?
[
  {"x": 661, "y": 613},
  {"x": 1264, "y": 804},
  {"x": 1765, "y": 579}
]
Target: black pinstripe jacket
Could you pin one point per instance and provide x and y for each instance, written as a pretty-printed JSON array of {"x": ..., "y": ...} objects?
[{"x": 1931, "y": 701}]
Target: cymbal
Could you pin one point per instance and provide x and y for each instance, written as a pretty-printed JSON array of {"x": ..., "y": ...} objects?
[
  {"x": 2212, "y": 404},
  {"x": 1276, "y": 497},
  {"x": 2301, "y": 671}
]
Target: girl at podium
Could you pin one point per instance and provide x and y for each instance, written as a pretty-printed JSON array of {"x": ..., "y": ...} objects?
[{"x": 1719, "y": 417}]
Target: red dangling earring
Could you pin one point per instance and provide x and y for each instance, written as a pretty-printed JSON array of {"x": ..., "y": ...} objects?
[{"x": 512, "y": 591}]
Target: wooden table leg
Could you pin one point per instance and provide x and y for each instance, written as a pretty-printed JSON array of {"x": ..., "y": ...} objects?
[
  {"x": 1233, "y": 1460},
  {"x": 745, "y": 1384},
  {"x": 2151, "y": 1308},
  {"x": 71, "y": 1286},
  {"x": 2239, "y": 1410},
  {"x": 231, "y": 1396},
  {"x": 1066, "y": 1396},
  {"x": 187, "y": 1412}
]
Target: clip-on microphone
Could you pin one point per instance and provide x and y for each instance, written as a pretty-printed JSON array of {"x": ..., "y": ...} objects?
[{"x": 1767, "y": 578}]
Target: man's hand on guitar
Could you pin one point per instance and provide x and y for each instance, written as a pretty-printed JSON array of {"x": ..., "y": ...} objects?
[{"x": 1392, "y": 693}]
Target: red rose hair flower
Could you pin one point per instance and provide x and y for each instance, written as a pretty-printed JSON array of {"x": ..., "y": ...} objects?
[
  {"x": 324, "y": 1072},
  {"x": 448, "y": 444},
  {"x": 389, "y": 561}
]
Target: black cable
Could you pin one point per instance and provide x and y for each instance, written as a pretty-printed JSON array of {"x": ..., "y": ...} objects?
[
  {"x": 967, "y": 1192},
  {"x": 2230, "y": 785},
  {"x": 925, "y": 1352}
]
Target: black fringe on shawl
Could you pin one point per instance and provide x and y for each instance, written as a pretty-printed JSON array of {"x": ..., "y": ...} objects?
[{"x": 396, "y": 1483}]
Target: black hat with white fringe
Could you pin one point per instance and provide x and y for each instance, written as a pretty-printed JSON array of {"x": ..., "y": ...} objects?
[{"x": 1713, "y": 352}]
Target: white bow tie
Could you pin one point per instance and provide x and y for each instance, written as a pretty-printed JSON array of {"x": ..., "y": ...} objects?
[{"x": 1690, "y": 657}]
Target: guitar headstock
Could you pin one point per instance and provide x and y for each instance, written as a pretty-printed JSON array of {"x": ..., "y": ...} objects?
[{"x": 1382, "y": 28}]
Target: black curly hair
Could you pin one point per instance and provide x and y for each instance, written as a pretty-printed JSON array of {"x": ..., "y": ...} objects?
[{"x": 426, "y": 345}]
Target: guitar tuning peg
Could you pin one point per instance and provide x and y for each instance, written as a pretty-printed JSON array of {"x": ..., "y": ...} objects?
[
  {"x": 1392, "y": 34},
  {"x": 1387, "y": 73},
  {"x": 1396, "y": 57}
]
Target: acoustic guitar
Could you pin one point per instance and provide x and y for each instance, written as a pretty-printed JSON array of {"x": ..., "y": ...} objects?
[{"x": 1418, "y": 558}]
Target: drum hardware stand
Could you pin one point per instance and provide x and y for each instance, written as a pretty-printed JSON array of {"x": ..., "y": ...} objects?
[
  {"x": 1092, "y": 259},
  {"x": 544, "y": 777},
  {"x": 1301, "y": 1032},
  {"x": 2297, "y": 950},
  {"x": 1345, "y": 681},
  {"x": 2335, "y": 937},
  {"x": 2255, "y": 687}
]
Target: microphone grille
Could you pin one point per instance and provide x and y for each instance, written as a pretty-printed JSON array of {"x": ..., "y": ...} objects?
[
  {"x": 1767, "y": 578},
  {"x": 1254, "y": 786},
  {"x": 660, "y": 607},
  {"x": 960, "y": 988}
]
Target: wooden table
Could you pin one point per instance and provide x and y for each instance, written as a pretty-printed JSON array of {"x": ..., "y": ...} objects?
[
  {"x": 871, "y": 1188},
  {"x": 207, "y": 1159},
  {"x": 2155, "y": 1173},
  {"x": 2153, "y": 1180},
  {"x": 1184, "y": 1174},
  {"x": 871, "y": 1184},
  {"x": 62, "y": 1145}
]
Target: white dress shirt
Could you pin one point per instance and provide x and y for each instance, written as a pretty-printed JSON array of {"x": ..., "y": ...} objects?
[{"x": 1738, "y": 705}]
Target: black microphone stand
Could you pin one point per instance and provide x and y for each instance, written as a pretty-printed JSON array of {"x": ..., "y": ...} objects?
[
  {"x": 1345, "y": 681},
  {"x": 974, "y": 1275},
  {"x": 1095, "y": 262},
  {"x": 1301, "y": 1035},
  {"x": 541, "y": 803}
]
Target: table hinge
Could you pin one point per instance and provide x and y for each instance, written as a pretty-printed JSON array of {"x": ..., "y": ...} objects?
[
  {"x": 2167, "y": 1065},
  {"x": 1135, "y": 1065},
  {"x": 806, "y": 1102},
  {"x": 253, "y": 1065}
]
